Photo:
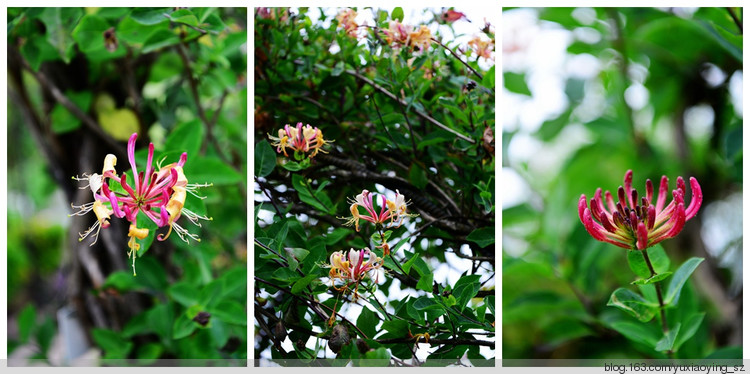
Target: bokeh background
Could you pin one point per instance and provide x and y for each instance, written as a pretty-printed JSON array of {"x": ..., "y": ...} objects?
[
  {"x": 81, "y": 81},
  {"x": 589, "y": 93}
]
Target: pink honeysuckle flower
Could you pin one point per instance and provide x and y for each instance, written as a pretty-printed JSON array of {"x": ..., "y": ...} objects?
[
  {"x": 451, "y": 15},
  {"x": 348, "y": 270},
  {"x": 482, "y": 47},
  {"x": 630, "y": 225},
  {"x": 397, "y": 33},
  {"x": 300, "y": 139},
  {"x": 346, "y": 21},
  {"x": 159, "y": 193}
]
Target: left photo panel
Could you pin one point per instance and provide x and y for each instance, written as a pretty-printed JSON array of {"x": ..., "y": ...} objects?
[{"x": 127, "y": 204}]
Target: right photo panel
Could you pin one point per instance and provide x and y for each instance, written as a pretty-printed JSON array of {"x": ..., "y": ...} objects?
[{"x": 621, "y": 185}]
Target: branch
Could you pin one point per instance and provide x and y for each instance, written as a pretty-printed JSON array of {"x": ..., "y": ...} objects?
[
  {"x": 78, "y": 113},
  {"x": 440, "y": 341},
  {"x": 404, "y": 103},
  {"x": 735, "y": 19},
  {"x": 458, "y": 58}
]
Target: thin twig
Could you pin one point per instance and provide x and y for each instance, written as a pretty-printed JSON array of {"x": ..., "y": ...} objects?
[
  {"x": 735, "y": 19},
  {"x": 77, "y": 112},
  {"x": 458, "y": 58},
  {"x": 402, "y": 102}
]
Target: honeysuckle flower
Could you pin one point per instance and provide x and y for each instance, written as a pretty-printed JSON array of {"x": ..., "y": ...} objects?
[
  {"x": 421, "y": 38},
  {"x": 300, "y": 139},
  {"x": 159, "y": 193},
  {"x": 397, "y": 33},
  {"x": 346, "y": 21},
  {"x": 482, "y": 47},
  {"x": 391, "y": 213},
  {"x": 350, "y": 269},
  {"x": 628, "y": 224},
  {"x": 451, "y": 15}
]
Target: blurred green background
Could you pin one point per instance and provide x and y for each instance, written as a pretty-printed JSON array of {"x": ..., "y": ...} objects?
[
  {"x": 588, "y": 94},
  {"x": 81, "y": 81}
]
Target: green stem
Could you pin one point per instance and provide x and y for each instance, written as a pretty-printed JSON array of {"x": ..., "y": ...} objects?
[{"x": 664, "y": 326}]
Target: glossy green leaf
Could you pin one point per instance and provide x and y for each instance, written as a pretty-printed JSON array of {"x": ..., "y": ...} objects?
[
  {"x": 367, "y": 322},
  {"x": 666, "y": 343},
  {"x": 689, "y": 328},
  {"x": 483, "y": 236},
  {"x": 89, "y": 34},
  {"x": 397, "y": 14},
  {"x": 516, "y": 83},
  {"x": 183, "y": 327},
  {"x": 632, "y": 303},
  {"x": 114, "y": 346},
  {"x": 183, "y": 293},
  {"x": 638, "y": 333},
  {"x": 211, "y": 170},
  {"x": 679, "y": 278},
  {"x": 187, "y": 137}
]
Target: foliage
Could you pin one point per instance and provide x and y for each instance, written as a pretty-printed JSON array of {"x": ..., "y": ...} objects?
[
  {"x": 84, "y": 80},
  {"x": 404, "y": 120},
  {"x": 636, "y": 79}
]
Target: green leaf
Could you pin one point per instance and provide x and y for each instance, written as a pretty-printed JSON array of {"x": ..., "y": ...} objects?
[
  {"x": 89, "y": 34},
  {"x": 516, "y": 83},
  {"x": 367, "y": 322},
  {"x": 159, "y": 39},
  {"x": 397, "y": 327},
  {"x": 265, "y": 158},
  {"x": 679, "y": 278},
  {"x": 378, "y": 357},
  {"x": 397, "y": 14},
  {"x": 186, "y": 137},
  {"x": 465, "y": 289},
  {"x": 184, "y": 16},
  {"x": 26, "y": 322},
  {"x": 375, "y": 237},
  {"x": 211, "y": 170},
  {"x": 300, "y": 285},
  {"x": 667, "y": 341},
  {"x": 318, "y": 201},
  {"x": 149, "y": 16},
  {"x": 656, "y": 278},
  {"x": 417, "y": 176},
  {"x": 489, "y": 79},
  {"x": 114, "y": 346},
  {"x": 408, "y": 264},
  {"x": 149, "y": 352},
  {"x": 425, "y": 282},
  {"x": 656, "y": 255},
  {"x": 632, "y": 303},
  {"x": 121, "y": 281},
  {"x": 230, "y": 312},
  {"x": 691, "y": 326},
  {"x": 63, "y": 120},
  {"x": 183, "y": 327},
  {"x": 483, "y": 236},
  {"x": 37, "y": 50},
  {"x": 59, "y": 22},
  {"x": 637, "y": 332},
  {"x": 183, "y": 293}
]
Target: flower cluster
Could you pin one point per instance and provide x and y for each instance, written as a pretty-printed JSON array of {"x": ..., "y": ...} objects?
[
  {"x": 158, "y": 193},
  {"x": 482, "y": 47},
  {"x": 631, "y": 225},
  {"x": 392, "y": 213},
  {"x": 300, "y": 139},
  {"x": 405, "y": 35},
  {"x": 350, "y": 269},
  {"x": 346, "y": 21}
]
